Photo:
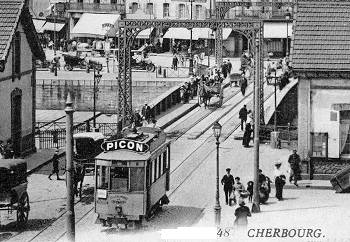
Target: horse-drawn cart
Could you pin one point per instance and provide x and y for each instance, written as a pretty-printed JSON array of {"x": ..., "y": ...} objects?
[
  {"x": 207, "y": 91},
  {"x": 13, "y": 189}
]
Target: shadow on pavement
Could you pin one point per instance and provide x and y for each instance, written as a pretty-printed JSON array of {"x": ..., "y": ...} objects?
[{"x": 32, "y": 224}]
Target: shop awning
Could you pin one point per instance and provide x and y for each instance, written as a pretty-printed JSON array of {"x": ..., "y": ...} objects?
[
  {"x": 180, "y": 33},
  {"x": 90, "y": 25},
  {"x": 197, "y": 33},
  {"x": 49, "y": 26},
  {"x": 144, "y": 34},
  {"x": 38, "y": 24},
  {"x": 206, "y": 33},
  {"x": 277, "y": 30}
]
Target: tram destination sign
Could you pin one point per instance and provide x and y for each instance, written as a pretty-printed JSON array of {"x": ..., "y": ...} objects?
[{"x": 125, "y": 144}]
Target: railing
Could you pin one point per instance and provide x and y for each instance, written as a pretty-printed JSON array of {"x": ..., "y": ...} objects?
[
  {"x": 97, "y": 7},
  {"x": 179, "y": 72},
  {"x": 288, "y": 134}
]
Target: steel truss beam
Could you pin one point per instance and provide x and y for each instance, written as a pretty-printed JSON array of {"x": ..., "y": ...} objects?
[{"x": 128, "y": 30}]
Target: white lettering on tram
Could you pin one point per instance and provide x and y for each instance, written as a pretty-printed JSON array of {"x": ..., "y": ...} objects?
[
  {"x": 131, "y": 145},
  {"x": 125, "y": 144},
  {"x": 122, "y": 144},
  {"x": 139, "y": 147}
]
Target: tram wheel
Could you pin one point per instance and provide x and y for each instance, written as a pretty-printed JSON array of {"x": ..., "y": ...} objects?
[{"x": 23, "y": 211}]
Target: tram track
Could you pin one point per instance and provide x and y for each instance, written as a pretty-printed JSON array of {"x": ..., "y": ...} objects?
[{"x": 208, "y": 150}]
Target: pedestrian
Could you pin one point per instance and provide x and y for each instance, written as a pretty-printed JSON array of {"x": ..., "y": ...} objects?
[
  {"x": 137, "y": 119},
  {"x": 229, "y": 67},
  {"x": 262, "y": 177},
  {"x": 280, "y": 180},
  {"x": 146, "y": 112},
  {"x": 238, "y": 189},
  {"x": 294, "y": 162},
  {"x": 224, "y": 69},
  {"x": 243, "y": 113},
  {"x": 227, "y": 181},
  {"x": 243, "y": 83},
  {"x": 247, "y": 135},
  {"x": 175, "y": 62},
  {"x": 8, "y": 150},
  {"x": 250, "y": 189},
  {"x": 250, "y": 117},
  {"x": 242, "y": 213},
  {"x": 55, "y": 169}
]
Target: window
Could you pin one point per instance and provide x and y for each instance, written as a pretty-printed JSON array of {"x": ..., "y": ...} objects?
[
  {"x": 198, "y": 12},
  {"x": 319, "y": 144},
  {"x": 168, "y": 159},
  {"x": 166, "y": 12},
  {"x": 182, "y": 10},
  {"x": 149, "y": 9},
  {"x": 119, "y": 179},
  {"x": 164, "y": 161},
  {"x": 134, "y": 7},
  {"x": 102, "y": 181},
  {"x": 97, "y": 1},
  {"x": 160, "y": 166},
  {"x": 137, "y": 177},
  {"x": 17, "y": 56},
  {"x": 154, "y": 168}
]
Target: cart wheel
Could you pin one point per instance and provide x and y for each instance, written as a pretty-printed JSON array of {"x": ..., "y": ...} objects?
[
  {"x": 68, "y": 67},
  {"x": 23, "y": 211},
  {"x": 153, "y": 67}
]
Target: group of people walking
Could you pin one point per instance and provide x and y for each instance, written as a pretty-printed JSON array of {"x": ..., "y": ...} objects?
[
  {"x": 145, "y": 118},
  {"x": 235, "y": 192}
]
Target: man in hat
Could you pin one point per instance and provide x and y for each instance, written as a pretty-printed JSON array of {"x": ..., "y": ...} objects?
[
  {"x": 229, "y": 66},
  {"x": 294, "y": 162},
  {"x": 55, "y": 169},
  {"x": 227, "y": 181},
  {"x": 243, "y": 113},
  {"x": 280, "y": 180},
  {"x": 242, "y": 213}
]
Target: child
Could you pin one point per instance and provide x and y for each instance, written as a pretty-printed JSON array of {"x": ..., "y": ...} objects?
[
  {"x": 250, "y": 190},
  {"x": 238, "y": 188}
]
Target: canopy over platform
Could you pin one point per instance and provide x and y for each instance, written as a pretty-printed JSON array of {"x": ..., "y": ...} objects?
[{"x": 91, "y": 25}]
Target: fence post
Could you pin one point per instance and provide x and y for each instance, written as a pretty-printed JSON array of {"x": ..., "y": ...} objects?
[
  {"x": 87, "y": 126},
  {"x": 164, "y": 73}
]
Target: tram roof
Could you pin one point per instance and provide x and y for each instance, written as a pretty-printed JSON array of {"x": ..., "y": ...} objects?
[{"x": 123, "y": 155}]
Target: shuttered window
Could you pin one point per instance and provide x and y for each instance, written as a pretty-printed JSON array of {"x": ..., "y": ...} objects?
[
  {"x": 17, "y": 56},
  {"x": 182, "y": 10},
  {"x": 166, "y": 12}
]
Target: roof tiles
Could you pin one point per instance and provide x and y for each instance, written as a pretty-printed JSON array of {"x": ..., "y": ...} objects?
[
  {"x": 322, "y": 36},
  {"x": 10, "y": 11}
]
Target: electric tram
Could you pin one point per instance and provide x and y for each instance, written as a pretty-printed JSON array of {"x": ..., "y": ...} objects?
[{"x": 132, "y": 177}]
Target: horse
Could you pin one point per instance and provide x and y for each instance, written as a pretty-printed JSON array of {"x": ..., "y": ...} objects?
[{"x": 78, "y": 177}]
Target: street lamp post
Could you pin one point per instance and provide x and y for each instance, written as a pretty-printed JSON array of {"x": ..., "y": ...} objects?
[
  {"x": 256, "y": 202},
  {"x": 97, "y": 78},
  {"x": 191, "y": 36},
  {"x": 70, "y": 219},
  {"x": 275, "y": 116},
  {"x": 217, "y": 132},
  {"x": 288, "y": 15}
]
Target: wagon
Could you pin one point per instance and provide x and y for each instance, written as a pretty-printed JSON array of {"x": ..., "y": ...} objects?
[{"x": 13, "y": 189}]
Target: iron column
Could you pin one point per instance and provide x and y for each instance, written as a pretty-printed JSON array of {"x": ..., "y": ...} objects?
[
  {"x": 275, "y": 116},
  {"x": 191, "y": 56},
  {"x": 54, "y": 41},
  {"x": 69, "y": 169},
  {"x": 94, "y": 107},
  {"x": 256, "y": 202}
]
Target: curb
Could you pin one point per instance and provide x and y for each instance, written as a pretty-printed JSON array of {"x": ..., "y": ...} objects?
[
  {"x": 179, "y": 116},
  {"x": 306, "y": 187}
]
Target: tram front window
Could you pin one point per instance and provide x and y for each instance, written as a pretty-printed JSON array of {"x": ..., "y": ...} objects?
[
  {"x": 119, "y": 179},
  {"x": 102, "y": 181}
]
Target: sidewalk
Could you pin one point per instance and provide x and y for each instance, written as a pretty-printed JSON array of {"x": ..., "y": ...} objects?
[{"x": 39, "y": 159}]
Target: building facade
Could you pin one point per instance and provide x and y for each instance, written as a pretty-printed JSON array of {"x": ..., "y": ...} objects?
[
  {"x": 320, "y": 52},
  {"x": 19, "y": 47}
]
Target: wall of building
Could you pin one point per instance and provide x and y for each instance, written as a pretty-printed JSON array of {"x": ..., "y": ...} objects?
[
  {"x": 303, "y": 117},
  {"x": 24, "y": 84},
  {"x": 315, "y": 100}
]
